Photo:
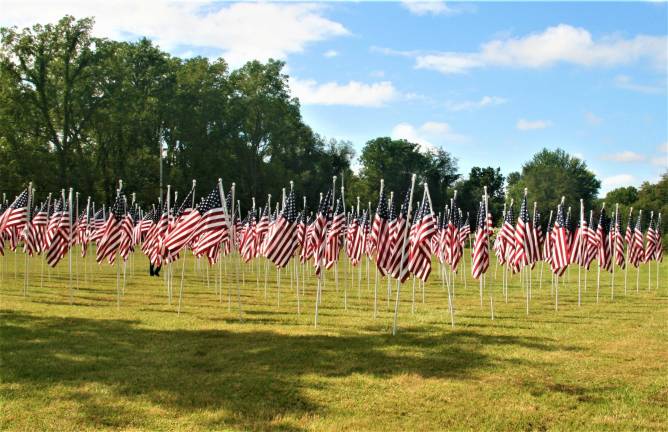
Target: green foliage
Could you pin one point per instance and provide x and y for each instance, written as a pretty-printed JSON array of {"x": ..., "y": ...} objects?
[
  {"x": 395, "y": 160},
  {"x": 471, "y": 190},
  {"x": 549, "y": 175}
]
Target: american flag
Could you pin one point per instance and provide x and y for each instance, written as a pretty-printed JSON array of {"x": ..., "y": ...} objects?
[
  {"x": 96, "y": 225},
  {"x": 16, "y": 215},
  {"x": 249, "y": 244},
  {"x": 522, "y": 253},
  {"x": 82, "y": 231},
  {"x": 637, "y": 248},
  {"x": 465, "y": 230},
  {"x": 579, "y": 241},
  {"x": 380, "y": 233},
  {"x": 214, "y": 226},
  {"x": 480, "y": 253},
  {"x": 386, "y": 258},
  {"x": 618, "y": 240},
  {"x": 319, "y": 234},
  {"x": 127, "y": 230},
  {"x": 539, "y": 236},
  {"x": 399, "y": 265},
  {"x": 59, "y": 234},
  {"x": 334, "y": 233},
  {"x": 351, "y": 233},
  {"x": 604, "y": 255},
  {"x": 184, "y": 228},
  {"x": 283, "y": 240},
  {"x": 39, "y": 223},
  {"x": 652, "y": 240},
  {"x": 658, "y": 253},
  {"x": 359, "y": 242},
  {"x": 108, "y": 245},
  {"x": 420, "y": 242},
  {"x": 590, "y": 248},
  {"x": 628, "y": 235},
  {"x": 507, "y": 236},
  {"x": 560, "y": 252},
  {"x": 29, "y": 236},
  {"x": 303, "y": 236},
  {"x": 262, "y": 228},
  {"x": 456, "y": 251}
]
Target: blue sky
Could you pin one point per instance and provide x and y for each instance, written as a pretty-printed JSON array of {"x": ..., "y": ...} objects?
[{"x": 492, "y": 83}]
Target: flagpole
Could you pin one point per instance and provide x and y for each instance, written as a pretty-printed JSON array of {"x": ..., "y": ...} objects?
[
  {"x": 598, "y": 278},
  {"x": 613, "y": 251},
  {"x": 403, "y": 254},
  {"x": 375, "y": 285},
  {"x": 581, "y": 251},
  {"x": 69, "y": 240},
  {"x": 28, "y": 221}
]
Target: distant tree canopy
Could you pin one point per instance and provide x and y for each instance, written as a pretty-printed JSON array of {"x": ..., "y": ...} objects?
[
  {"x": 76, "y": 110},
  {"x": 551, "y": 174}
]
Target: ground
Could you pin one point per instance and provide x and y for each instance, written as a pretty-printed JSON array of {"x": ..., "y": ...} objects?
[{"x": 76, "y": 359}]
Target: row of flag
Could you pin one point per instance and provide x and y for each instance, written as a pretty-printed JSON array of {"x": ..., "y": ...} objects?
[{"x": 402, "y": 243}]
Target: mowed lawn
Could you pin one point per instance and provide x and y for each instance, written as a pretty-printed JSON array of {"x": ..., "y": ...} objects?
[{"x": 72, "y": 361}]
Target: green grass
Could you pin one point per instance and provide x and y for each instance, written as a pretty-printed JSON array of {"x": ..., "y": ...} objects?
[{"x": 90, "y": 365}]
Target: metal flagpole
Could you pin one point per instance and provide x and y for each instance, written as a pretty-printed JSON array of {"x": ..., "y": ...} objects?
[
  {"x": 28, "y": 220},
  {"x": 403, "y": 253},
  {"x": 598, "y": 277},
  {"x": 581, "y": 251},
  {"x": 69, "y": 240},
  {"x": 613, "y": 251}
]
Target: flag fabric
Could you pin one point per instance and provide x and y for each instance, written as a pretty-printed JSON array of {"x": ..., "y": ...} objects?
[
  {"x": 521, "y": 255},
  {"x": 319, "y": 233},
  {"x": 652, "y": 241},
  {"x": 380, "y": 232},
  {"x": 283, "y": 240},
  {"x": 399, "y": 263},
  {"x": 604, "y": 254},
  {"x": 59, "y": 234},
  {"x": 249, "y": 240},
  {"x": 658, "y": 252},
  {"x": 637, "y": 248},
  {"x": 16, "y": 215},
  {"x": 507, "y": 236},
  {"x": 127, "y": 240},
  {"x": 480, "y": 252},
  {"x": 420, "y": 242},
  {"x": 618, "y": 241},
  {"x": 213, "y": 230},
  {"x": 111, "y": 232},
  {"x": 333, "y": 241},
  {"x": 590, "y": 246},
  {"x": 560, "y": 252}
]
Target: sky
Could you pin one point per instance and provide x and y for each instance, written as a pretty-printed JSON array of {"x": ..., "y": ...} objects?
[{"x": 491, "y": 83}]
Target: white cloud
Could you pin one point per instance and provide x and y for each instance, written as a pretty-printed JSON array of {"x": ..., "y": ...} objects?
[
  {"x": 560, "y": 44},
  {"x": 353, "y": 93},
  {"x": 593, "y": 119},
  {"x": 525, "y": 125},
  {"x": 237, "y": 31},
  {"x": 661, "y": 161},
  {"x": 625, "y": 156},
  {"x": 612, "y": 182},
  {"x": 427, "y": 134},
  {"x": 429, "y": 8},
  {"x": 626, "y": 82},
  {"x": 330, "y": 53},
  {"x": 485, "y": 101}
]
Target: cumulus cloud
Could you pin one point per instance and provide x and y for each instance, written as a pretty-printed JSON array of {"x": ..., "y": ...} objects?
[
  {"x": 485, "y": 101},
  {"x": 625, "y": 156},
  {"x": 525, "y": 125},
  {"x": 330, "y": 53},
  {"x": 559, "y": 44},
  {"x": 427, "y": 134},
  {"x": 353, "y": 93},
  {"x": 615, "y": 181},
  {"x": 434, "y": 7},
  {"x": 238, "y": 31}
]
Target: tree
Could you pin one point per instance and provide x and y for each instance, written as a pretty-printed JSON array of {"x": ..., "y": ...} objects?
[
  {"x": 549, "y": 175},
  {"x": 470, "y": 190},
  {"x": 395, "y": 161},
  {"x": 623, "y": 195}
]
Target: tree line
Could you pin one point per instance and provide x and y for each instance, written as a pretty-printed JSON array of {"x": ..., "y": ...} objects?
[{"x": 77, "y": 110}]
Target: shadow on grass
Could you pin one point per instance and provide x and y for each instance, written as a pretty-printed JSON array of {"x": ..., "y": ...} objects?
[{"x": 257, "y": 377}]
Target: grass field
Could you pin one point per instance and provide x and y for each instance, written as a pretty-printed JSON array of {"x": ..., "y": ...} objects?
[{"x": 88, "y": 365}]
